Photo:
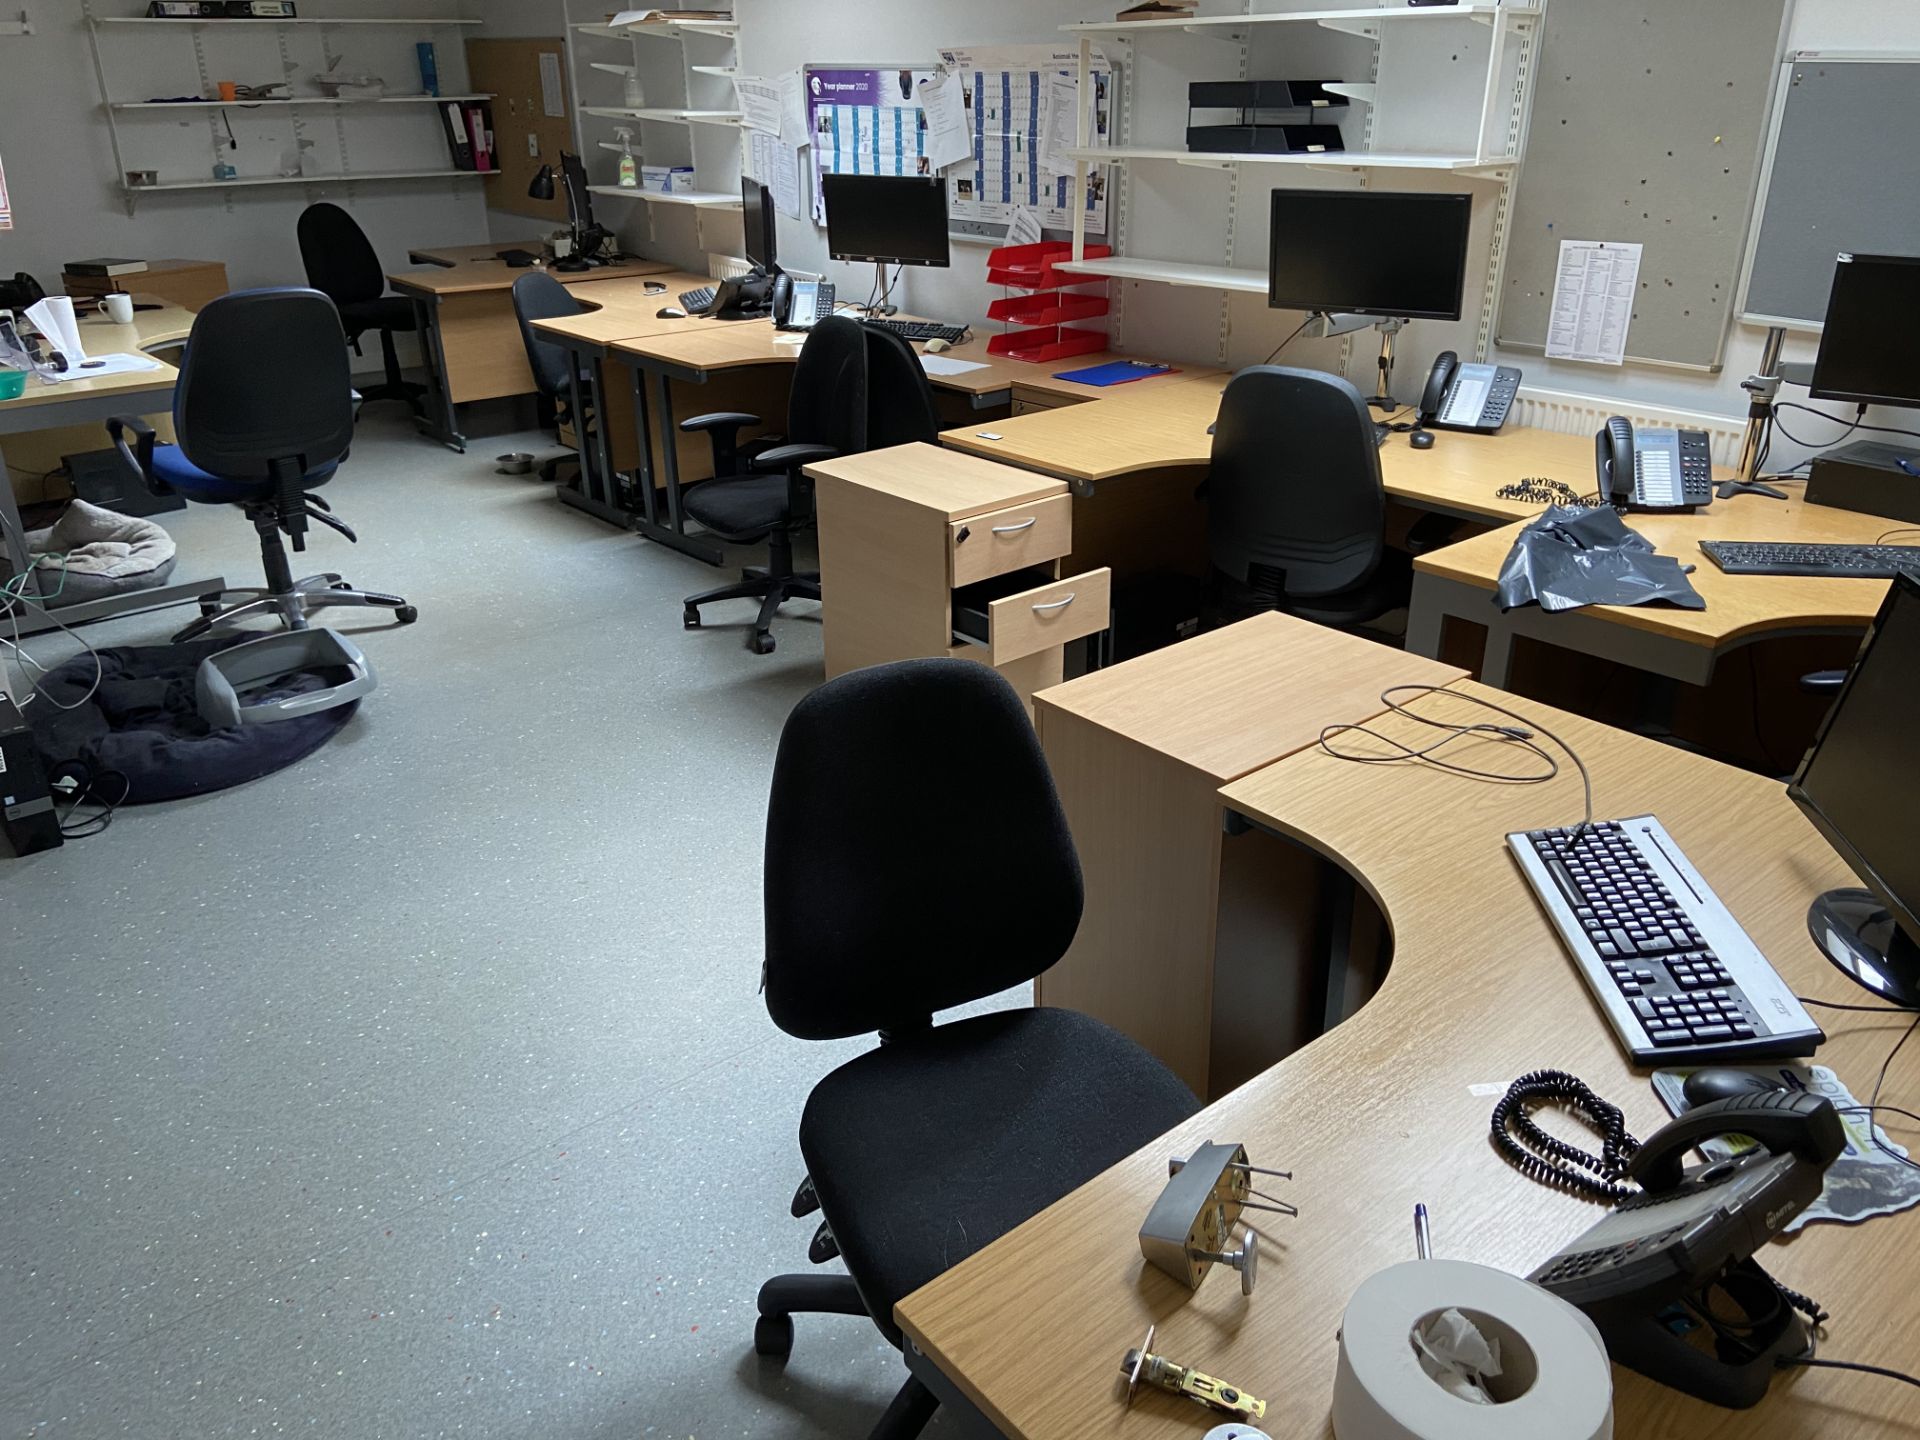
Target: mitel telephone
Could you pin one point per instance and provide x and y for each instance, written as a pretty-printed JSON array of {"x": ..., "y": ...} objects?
[
  {"x": 800, "y": 304},
  {"x": 1654, "y": 469},
  {"x": 1669, "y": 1276},
  {"x": 1467, "y": 397}
]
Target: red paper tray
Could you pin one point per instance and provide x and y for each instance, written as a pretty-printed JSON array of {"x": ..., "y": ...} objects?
[
  {"x": 1038, "y": 346},
  {"x": 1031, "y": 267},
  {"x": 1048, "y": 307}
]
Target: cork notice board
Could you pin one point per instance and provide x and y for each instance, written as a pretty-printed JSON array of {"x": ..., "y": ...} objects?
[
  {"x": 509, "y": 70},
  {"x": 1649, "y": 120}
]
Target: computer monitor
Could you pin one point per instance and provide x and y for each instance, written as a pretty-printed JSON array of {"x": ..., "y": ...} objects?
[
  {"x": 756, "y": 215},
  {"x": 573, "y": 175},
  {"x": 1857, "y": 786},
  {"x": 1867, "y": 350},
  {"x": 1393, "y": 254},
  {"x": 886, "y": 219}
]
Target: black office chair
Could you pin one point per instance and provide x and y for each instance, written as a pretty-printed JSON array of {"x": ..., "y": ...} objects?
[
  {"x": 538, "y": 296},
  {"x": 943, "y": 1138},
  {"x": 264, "y": 411},
  {"x": 342, "y": 266},
  {"x": 1296, "y": 511}
]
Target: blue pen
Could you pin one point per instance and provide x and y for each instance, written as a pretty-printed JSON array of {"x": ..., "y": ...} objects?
[{"x": 1422, "y": 1236}]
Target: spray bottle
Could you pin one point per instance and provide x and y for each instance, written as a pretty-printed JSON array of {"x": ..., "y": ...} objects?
[{"x": 629, "y": 171}]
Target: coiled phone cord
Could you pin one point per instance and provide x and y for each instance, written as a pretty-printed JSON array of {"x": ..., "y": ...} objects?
[{"x": 1553, "y": 1162}]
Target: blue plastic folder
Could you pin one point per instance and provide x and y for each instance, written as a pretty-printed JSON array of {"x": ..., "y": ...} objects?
[{"x": 1118, "y": 372}]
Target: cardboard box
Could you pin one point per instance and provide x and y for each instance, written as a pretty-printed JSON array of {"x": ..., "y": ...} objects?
[{"x": 666, "y": 179}]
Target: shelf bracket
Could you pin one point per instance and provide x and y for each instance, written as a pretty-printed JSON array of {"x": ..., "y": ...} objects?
[
  {"x": 1353, "y": 91},
  {"x": 1365, "y": 29},
  {"x": 22, "y": 26},
  {"x": 1206, "y": 164},
  {"x": 1218, "y": 32}
]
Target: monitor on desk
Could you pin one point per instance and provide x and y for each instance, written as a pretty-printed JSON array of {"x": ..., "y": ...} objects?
[
  {"x": 756, "y": 218},
  {"x": 1867, "y": 351},
  {"x": 886, "y": 219},
  {"x": 1368, "y": 252},
  {"x": 1857, "y": 785}
]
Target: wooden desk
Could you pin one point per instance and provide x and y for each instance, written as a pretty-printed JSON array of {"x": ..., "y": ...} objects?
[
  {"x": 1457, "y": 582},
  {"x": 188, "y": 284},
  {"x": 469, "y": 336},
  {"x": 1139, "y": 751},
  {"x": 89, "y": 402},
  {"x": 1385, "y": 1111}
]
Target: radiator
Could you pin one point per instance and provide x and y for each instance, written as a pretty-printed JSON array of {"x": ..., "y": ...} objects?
[{"x": 1568, "y": 414}]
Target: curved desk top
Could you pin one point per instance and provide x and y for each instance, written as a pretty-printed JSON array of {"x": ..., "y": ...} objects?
[
  {"x": 1739, "y": 607},
  {"x": 1391, "y": 1108},
  {"x": 150, "y": 330},
  {"x": 464, "y": 269}
]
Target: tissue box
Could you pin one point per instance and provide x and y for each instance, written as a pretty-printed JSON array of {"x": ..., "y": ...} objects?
[{"x": 666, "y": 179}]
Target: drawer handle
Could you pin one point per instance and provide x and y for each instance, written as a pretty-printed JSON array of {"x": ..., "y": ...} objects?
[
  {"x": 1026, "y": 524},
  {"x": 1056, "y": 604}
]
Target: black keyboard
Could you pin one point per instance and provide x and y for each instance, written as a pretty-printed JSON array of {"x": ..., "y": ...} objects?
[
  {"x": 1767, "y": 557},
  {"x": 1680, "y": 981},
  {"x": 922, "y": 330},
  {"x": 695, "y": 301}
]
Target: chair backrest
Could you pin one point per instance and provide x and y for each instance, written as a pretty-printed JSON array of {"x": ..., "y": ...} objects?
[
  {"x": 828, "y": 402},
  {"x": 900, "y": 405},
  {"x": 1295, "y": 503},
  {"x": 340, "y": 260},
  {"x": 538, "y": 296},
  {"x": 264, "y": 377},
  {"x": 917, "y": 856}
]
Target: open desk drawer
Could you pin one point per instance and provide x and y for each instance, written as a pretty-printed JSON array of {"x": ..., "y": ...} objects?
[{"x": 1028, "y": 611}]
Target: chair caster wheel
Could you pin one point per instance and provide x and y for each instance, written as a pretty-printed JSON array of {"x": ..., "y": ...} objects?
[
  {"x": 761, "y": 644},
  {"x": 689, "y": 619},
  {"x": 406, "y": 614},
  {"x": 209, "y": 609},
  {"x": 341, "y": 585},
  {"x": 773, "y": 1336}
]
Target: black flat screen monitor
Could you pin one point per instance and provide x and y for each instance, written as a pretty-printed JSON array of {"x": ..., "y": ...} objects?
[
  {"x": 573, "y": 175},
  {"x": 1867, "y": 350},
  {"x": 888, "y": 219},
  {"x": 756, "y": 214},
  {"x": 1857, "y": 785},
  {"x": 1369, "y": 252}
]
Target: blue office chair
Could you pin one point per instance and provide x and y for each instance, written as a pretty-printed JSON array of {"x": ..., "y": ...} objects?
[{"x": 264, "y": 410}]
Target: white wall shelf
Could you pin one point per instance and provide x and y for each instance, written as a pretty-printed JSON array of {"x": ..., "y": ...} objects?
[
  {"x": 1328, "y": 159},
  {"x": 1368, "y": 19},
  {"x": 671, "y": 30},
  {"x": 672, "y": 117},
  {"x": 419, "y": 22},
  {"x": 296, "y": 100},
  {"x": 704, "y": 199},
  {"x": 241, "y": 182},
  {"x": 1169, "y": 272}
]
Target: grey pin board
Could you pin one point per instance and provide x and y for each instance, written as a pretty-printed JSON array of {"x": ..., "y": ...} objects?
[
  {"x": 1649, "y": 121},
  {"x": 1842, "y": 177}
]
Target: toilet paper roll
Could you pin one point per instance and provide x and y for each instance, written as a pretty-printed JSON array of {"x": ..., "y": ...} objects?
[{"x": 1556, "y": 1377}]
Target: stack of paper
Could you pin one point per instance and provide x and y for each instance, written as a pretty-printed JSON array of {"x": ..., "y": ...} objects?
[{"x": 53, "y": 317}]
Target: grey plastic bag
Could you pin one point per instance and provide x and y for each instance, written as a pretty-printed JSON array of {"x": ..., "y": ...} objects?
[{"x": 1578, "y": 555}]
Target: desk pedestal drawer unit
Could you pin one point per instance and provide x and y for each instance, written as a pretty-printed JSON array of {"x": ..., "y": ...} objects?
[{"x": 924, "y": 551}]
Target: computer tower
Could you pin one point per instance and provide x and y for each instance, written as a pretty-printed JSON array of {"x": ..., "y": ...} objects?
[
  {"x": 26, "y": 805},
  {"x": 1867, "y": 478}
]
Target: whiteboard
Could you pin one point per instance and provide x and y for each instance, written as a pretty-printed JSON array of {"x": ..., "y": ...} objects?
[
  {"x": 1842, "y": 176},
  {"x": 1649, "y": 123}
]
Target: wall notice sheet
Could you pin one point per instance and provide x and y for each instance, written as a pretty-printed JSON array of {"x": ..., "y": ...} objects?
[
  {"x": 6, "y": 205},
  {"x": 1593, "y": 293},
  {"x": 865, "y": 122},
  {"x": 1021, "y": 101}
]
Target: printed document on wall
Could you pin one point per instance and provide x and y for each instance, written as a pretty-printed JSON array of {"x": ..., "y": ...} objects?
[
  {"x": 760, "y": 104},
  {"x": 1017, "y": 99},
  {"x": 6, "y": 205},
  {"x": 1593, "y": 294}
]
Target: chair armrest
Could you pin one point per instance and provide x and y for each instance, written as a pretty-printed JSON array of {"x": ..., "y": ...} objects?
[
  {"x": 1823, "y": 682},
  {"x": 723, "y": 428},
  {"x": 719, "y": 420},
  {"x": 791, "y": 457},
  {"x": 1430, "y": 532},
  {"x": 138, "y": 457}
]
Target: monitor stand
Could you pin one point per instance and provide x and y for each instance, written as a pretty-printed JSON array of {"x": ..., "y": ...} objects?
[
  {"x": 1856, "y": 932},
  {"x": 1383, "y": 393}
]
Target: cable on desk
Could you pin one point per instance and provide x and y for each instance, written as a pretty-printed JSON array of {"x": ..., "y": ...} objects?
[
  {"x": 1288, "y": 341},
  {"x": 1808, "y": 1360}
]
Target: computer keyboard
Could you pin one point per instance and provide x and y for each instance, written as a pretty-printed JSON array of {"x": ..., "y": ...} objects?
[
  {"x": 1767, "y": 557},
  {"x": 922, "y": 330},
  {"x": 1678, "y": 978},
  {"x": 694, "y": 301}
]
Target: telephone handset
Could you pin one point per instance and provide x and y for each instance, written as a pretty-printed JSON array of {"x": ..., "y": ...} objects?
[
  {"x": 1674, "y": 1260},
  {"x": 1653, "y": 469},
  {"x": 1467, "y": 397},
  {"x": 807, "y": 302}
]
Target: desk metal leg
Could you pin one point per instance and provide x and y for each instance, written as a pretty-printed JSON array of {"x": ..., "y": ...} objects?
[
  {"x": 596, "y": 487},
  {"x": 1435, "y": 599},
  {"x": 643, "y": 468},
  {"x": 958, "y": 1414},
  {"x": 440, "y": 422},
  {"x": 674, "y": 533},
  {"x": 13, "y": 543},
  {"x": 1425, "y": 617}
]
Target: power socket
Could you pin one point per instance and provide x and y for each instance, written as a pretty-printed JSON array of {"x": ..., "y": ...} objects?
[{"x": 533, "y": 146}]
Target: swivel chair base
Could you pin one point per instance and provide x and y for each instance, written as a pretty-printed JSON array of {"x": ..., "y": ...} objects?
[
  {"x": 911, "y": 1407},
  {"x": 757, "y": 583},
  {"x": 316, "y": 592},
  {"x": 393, "y": 387}
]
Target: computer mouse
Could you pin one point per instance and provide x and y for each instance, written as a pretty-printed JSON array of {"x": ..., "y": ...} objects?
[
  {"x": 669, "y": 312},
  {"x": 1719, "y": 1083},
  {"x": 1421, "y": 439},
  {"x": 936, "y": 345}
]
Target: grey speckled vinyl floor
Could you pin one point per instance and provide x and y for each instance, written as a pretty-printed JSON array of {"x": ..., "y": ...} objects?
[{"x": 422, "y": 1089}]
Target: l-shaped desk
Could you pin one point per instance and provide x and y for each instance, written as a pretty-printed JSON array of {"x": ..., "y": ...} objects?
[{"x": 1390, "y": 1108}]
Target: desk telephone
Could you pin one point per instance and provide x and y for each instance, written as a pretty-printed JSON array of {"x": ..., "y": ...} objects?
[
  {"x": 1664, "y": 1274},
  {"x": 1655, "y": 469},
  {"x": 1467, "y": 397},
  {"x": 800, "y": 304}
]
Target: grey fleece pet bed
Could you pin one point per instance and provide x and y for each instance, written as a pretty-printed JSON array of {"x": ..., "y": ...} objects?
[{"x": 106, "y": 553}]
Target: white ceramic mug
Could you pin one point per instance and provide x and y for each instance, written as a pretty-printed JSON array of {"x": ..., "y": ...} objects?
[{"x": 119, "y": 308}]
